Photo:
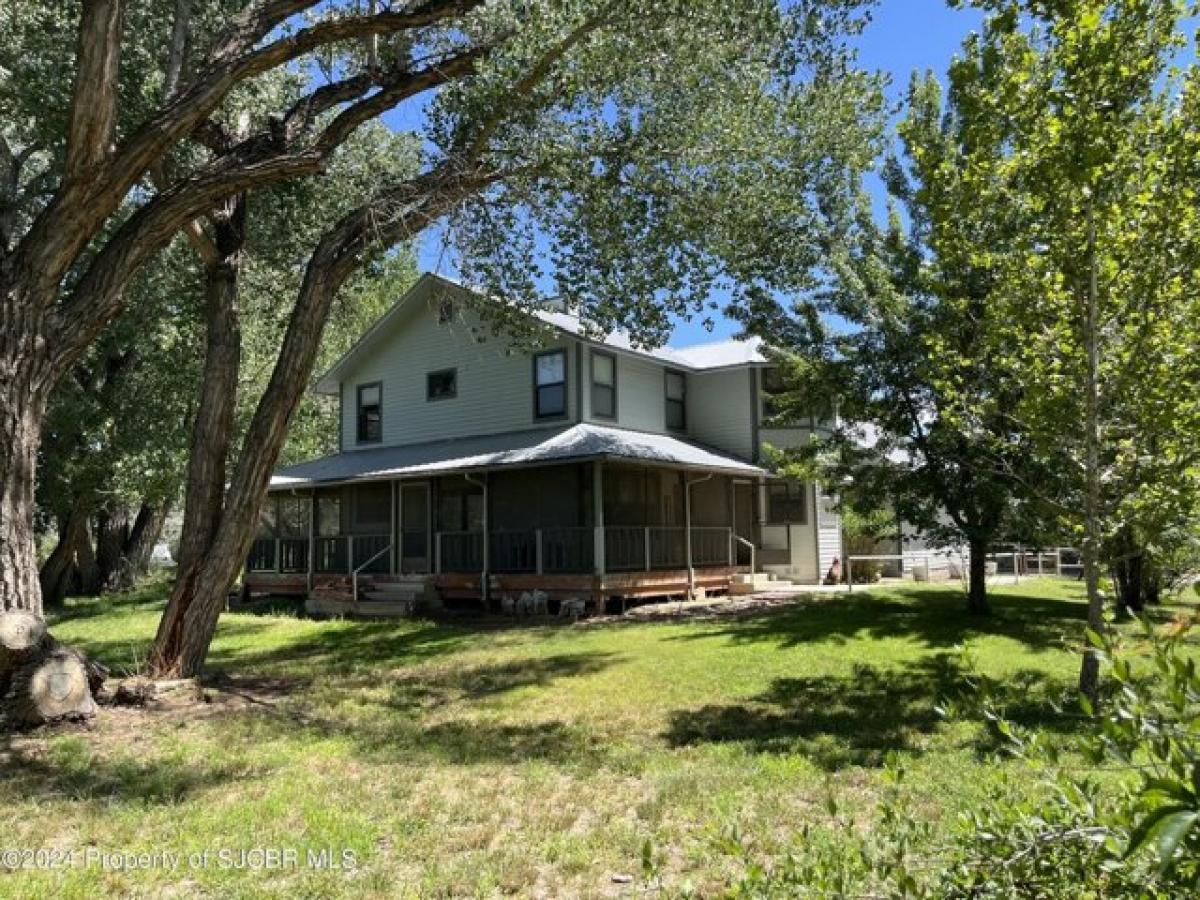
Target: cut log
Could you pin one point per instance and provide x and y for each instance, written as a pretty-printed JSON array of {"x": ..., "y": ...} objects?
[
  {"x": 22, "y": 635},
  {"x": 52, "y": 687},
  {"x": 41, "y": 680}
]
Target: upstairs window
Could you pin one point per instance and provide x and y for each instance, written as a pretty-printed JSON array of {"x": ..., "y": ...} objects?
[
  {"x": 370, "y": 413},
  {"x": 676, "y": 388},
  {"x": 787, "y": 503},
  {"x": 604, "y": 385},
  {"x": 441, "y": 385},
  {"x": 550, "y": 384}
]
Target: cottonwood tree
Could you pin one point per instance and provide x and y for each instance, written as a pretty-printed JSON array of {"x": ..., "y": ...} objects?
[
  {"x": 1100, "y": 168},
  {"x": 91, "y": 192},
  {"x": 650, "y": 145},
  {"x": 115, "y": 448}
]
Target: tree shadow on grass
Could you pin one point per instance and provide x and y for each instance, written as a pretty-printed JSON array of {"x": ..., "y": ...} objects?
[
  {"x": 344, "y": 647},
  {"x": 933, "y": 618},
  {"x": 857, "y": 721},
  {"x": 401, "y": 715},
  {"x": 72, "y": 771}
]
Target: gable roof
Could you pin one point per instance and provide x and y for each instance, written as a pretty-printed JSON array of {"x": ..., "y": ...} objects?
[
  {"x": 700, "y": 357},
  {"x": 571, "y": 443}
]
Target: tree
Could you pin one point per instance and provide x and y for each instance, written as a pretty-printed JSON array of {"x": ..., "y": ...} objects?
[
  {"x": 93, "y": 191},
  {"x": 116, "y": 444},
  {"x": 1099, "y": 171},
  {"x": 901, "y": 340}
]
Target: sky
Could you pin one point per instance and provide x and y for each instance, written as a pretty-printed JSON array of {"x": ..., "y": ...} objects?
[{"x": 904, "y": 35}]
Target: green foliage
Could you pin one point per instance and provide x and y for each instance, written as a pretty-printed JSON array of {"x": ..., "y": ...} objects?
[
  {"x": 1090, "y": 151},
  {"x": 677, "y": 147},
  {"x": 1117, "y": 816}
]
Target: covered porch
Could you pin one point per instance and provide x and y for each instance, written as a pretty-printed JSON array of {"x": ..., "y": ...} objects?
[{"x": 595, "y": 529}]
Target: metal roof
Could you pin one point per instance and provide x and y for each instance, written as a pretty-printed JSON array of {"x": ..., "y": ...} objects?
[
  {"x": 701, "y": 357},
  {"x": 523, "y": 448}
]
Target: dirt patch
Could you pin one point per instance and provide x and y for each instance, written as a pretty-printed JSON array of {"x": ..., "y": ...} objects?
[{"x": 124, "y": 723}]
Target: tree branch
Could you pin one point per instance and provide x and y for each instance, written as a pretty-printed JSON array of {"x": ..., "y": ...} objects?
[{"x": 93, "y": 111}]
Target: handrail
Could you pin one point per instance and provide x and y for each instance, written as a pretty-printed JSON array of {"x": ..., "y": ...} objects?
[
  {"x": 744, "y": 542},
  {"x": 354, "y": 574}
]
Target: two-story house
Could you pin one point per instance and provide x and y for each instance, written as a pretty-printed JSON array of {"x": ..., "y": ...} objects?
[{"x": 474, "y": 468}]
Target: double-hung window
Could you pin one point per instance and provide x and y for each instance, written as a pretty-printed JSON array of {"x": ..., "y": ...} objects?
[
  {"x": 370, "y": 413},
  {"x": 604, "y": 385},
  {"x": 676, "y": 399},
  {"x": 550, "y": 384}
]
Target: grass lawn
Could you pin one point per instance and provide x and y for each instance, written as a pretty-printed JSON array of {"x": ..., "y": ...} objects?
[{"x": 537, "y": 760}]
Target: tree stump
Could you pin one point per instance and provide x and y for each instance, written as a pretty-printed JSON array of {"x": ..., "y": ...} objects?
[{"x": 41, "y": 680}]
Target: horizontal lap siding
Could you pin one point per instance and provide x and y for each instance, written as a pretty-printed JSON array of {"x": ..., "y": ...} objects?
[
  {"x": 494, "y": 390},
  {"x": 720, "y": 412}
]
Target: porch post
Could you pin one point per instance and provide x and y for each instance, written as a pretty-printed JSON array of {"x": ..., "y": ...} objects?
[
  {"x": 486, "y": 586},
  {"x": 598, "y": 561},
  {"x": 687, "y": 534},
  {"x": 392, "y": 554},
  {"x": 312, "y": 536}
]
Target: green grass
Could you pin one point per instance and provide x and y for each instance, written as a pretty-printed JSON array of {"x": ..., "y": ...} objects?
[{"x": 485, "y": 759}]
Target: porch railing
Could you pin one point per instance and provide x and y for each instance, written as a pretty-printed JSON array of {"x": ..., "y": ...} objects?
[
  {"x": 287, "y": 555},
  {"x": 340, "y": 554},
  {"x": 565, "y": 550},
  {"x": 459, "y": 551},
  {"x": 551, "y": 551},
  {"x": 642, "y": 549}
]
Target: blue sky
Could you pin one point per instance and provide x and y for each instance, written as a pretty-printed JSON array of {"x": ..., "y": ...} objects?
[{"x": 905, "y": 35}]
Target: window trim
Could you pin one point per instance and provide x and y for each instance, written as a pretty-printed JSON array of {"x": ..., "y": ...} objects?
[
  {"x": 803, "y": 488},
  {"x": 358, "y": 412},
  {"x": 453, "y": 393},
  {"x": 566, "y": 383},
  {"x": 612, "y": 357},
  {"x": 667, "y": 373}
]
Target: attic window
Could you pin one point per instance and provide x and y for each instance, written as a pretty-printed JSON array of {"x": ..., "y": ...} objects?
[
  {"x": 370, "y": 413},
  {"x": 445, "y": 311}
]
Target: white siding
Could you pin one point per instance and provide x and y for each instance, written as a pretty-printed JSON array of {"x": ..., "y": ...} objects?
[
  {"x": 829, "y": 534},
  {"x": 641, "y": 395},
  {"x": 720, "y": 410},
  {"x": 494, "y": 382}
]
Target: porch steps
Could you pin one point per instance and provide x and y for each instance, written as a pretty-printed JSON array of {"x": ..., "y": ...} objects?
[
  {"x": 757, "y": 583},
  {"x": 413, "y": 592}
]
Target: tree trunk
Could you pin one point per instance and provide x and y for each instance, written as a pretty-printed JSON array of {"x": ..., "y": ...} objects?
[
  {"x": 60, "y": 571},
  {"x": 112, "y": 533},
  {"x": 977, "y": 601},
  {"x": 212, "y": 434},
  {"x": 144, "y": 536},
  {"x": 1089, "y": 670},
  {"x": 22, "y": 409}
]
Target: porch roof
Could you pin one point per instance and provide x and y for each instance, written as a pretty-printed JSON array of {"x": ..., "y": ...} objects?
[{"x": 574, "y": 443}]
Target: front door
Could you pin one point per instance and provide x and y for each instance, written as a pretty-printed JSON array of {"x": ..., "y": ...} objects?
[
  {"x": 743, "y": 519},
  {"x": 414, "y": 528}
]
